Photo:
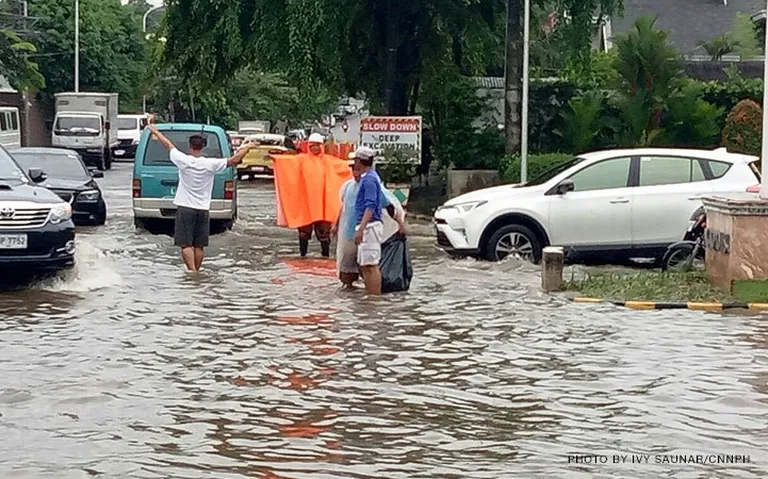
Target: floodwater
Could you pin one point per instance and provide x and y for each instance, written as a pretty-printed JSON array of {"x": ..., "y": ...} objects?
[{"x": 261, "y": 367}]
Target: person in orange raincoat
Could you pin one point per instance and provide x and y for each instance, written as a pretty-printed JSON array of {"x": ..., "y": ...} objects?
[{"x": 307, "y": 186}]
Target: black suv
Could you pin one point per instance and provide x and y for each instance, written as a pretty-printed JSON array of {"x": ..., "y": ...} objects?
[
  {"x": 67, "y": 176},
  {"x": 36, "y": 228}
]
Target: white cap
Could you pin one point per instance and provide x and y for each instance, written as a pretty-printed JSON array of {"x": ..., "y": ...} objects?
[{"x": 316, "y": 138}]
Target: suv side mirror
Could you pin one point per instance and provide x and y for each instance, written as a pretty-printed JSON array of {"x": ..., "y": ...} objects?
[
  {"x": 564, "y": 187},
  {"x": 37, "y": 175},
  {"x": 97, "y": 174}
]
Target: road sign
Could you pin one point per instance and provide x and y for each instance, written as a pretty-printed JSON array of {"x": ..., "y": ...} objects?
[{"x": 392, "y": 132}]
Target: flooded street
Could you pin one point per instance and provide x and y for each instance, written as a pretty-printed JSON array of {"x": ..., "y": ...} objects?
[{"x": 261, "y": 367}]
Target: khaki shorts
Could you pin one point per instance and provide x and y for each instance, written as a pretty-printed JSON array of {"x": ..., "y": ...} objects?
[
  {"x": 347, "y": 252},
  {"x": 369, "y": 251}
]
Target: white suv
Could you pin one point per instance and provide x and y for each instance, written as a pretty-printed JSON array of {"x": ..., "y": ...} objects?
[{"x": 609, "y": 204}]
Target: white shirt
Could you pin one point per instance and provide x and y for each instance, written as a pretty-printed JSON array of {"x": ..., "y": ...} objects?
[{"x": 196, "y": 177}]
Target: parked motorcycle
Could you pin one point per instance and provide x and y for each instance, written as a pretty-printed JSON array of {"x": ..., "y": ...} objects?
[{"x": 681, "y": 256}]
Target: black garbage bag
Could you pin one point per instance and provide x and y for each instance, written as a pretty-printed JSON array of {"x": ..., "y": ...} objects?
[{"x": 395, "y": 265}]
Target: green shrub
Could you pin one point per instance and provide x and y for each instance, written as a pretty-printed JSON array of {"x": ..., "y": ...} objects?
[
  {"x": 743, "y": 128},
  {"x": 690, "y": 121},
  {"x": 583, "y": 121},
  {"x": 726, "y": 94},
  {"x": 537, "y": 164}
]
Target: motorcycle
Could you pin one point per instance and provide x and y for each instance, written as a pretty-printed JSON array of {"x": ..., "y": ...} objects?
[{"x": 681, "y": 256}]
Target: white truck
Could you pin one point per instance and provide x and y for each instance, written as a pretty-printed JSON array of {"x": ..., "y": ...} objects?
[
  {"x": 253, "y": 127},
  {"x": 87, "y": 123}
]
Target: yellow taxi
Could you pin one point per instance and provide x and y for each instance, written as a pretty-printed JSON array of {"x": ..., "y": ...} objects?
[{"x": 256, "y": 163}]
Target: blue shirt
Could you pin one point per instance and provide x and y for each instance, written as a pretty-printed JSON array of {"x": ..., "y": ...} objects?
[
  {"x": 369, "y": 197},
  {"x": 348, "y": 203}
]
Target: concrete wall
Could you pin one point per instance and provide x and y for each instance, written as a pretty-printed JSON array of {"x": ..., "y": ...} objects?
[{"x": 464, "y": 181}]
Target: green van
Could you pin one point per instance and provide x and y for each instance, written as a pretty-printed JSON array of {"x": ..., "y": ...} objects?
[{"x": 155, "y": 177}]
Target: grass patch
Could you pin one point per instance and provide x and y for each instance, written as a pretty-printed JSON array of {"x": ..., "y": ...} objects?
[{"x": 650, "y": 286}]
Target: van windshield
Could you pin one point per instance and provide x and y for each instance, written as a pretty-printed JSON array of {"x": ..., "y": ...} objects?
[
  {"x": 127, "y": 124},
  {"x": 155, "y": 153}
]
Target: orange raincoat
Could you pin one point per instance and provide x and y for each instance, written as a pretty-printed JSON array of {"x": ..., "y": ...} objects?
[{"x": 307, "y": 188}]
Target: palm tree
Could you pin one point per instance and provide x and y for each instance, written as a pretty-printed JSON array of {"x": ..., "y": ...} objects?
[{"x": 719, "y": 46}]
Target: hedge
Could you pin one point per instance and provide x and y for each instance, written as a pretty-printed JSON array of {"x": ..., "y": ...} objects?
[{"x": 537, "y": 164}]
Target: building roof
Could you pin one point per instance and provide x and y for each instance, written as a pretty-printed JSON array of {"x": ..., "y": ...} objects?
[{"x": 688, "y": 22}]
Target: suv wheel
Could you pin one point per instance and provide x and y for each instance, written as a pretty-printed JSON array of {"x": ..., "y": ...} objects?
[{"x": 514, "y": 240}]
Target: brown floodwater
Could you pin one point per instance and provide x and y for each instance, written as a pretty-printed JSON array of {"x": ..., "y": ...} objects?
[{"x": 261, "y": 367}]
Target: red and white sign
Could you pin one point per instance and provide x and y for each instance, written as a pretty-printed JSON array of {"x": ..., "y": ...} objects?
[{"x": 391, "y": 132}]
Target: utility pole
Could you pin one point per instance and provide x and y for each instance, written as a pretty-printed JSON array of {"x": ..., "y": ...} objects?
[
  {"x": 513, "y": 77},
  {"x": 77, "y": 46},
  {"x": 764, "y": 166}
]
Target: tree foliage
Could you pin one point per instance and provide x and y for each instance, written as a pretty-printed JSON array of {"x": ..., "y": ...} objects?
[
  {"x": 745, "y": 37},
  {"x": 113, "y": 52},
  {"x": 15, "y": 63}
]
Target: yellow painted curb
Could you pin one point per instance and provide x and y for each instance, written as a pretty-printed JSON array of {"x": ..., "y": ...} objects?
[{"x": 705, "y": 306}]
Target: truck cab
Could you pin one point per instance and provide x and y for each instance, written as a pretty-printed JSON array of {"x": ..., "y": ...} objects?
[
  {"x": 155, "y": 177},
  {"x": 84, "y": 122},
  {"x": 129, "y": 128}
]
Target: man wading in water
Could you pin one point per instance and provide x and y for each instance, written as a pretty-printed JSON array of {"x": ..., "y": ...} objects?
[{"x": 193, "y": 196}]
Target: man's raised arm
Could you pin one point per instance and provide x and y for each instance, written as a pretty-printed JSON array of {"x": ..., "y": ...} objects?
[
  {"x": 237, "y": 158},
  {"x": 160, "y": 137}
]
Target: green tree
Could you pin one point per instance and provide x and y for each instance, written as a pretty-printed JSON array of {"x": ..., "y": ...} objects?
[
  {"x": 745, "y": 37},
  {"x": 719, "y": 46},
  {"x": 650, "y": 71},
  {"x": 15, "y": 64},
  {"x": 113, "y": 52}
]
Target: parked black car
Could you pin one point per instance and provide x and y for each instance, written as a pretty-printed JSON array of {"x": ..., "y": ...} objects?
[
  {"x": 68, "y": 177},
  {"x": 36, "y": 228}
]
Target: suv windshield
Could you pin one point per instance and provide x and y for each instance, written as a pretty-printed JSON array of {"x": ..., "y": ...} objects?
[
  {"x": 56, "y": 165},
  {"x": 78, "y": 126},
  {"x": 156, "y": 155},
  {"x": 554, "y": 171},
  {"x": 9, "y": 170},
  {"x": 127, "y": 124}
]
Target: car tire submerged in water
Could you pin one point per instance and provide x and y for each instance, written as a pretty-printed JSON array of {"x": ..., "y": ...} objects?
[
  {"x": 513, "y": 239},
  {"x": 101, "y": 216},
  {"x": 139, "y": 223}
]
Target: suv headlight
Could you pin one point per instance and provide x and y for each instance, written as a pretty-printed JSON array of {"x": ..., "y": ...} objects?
[
  {"x": 59, "y": 213},
  {"x": 135, "y": 142},
  {"x": 464, "y": 207},
  {"x": 89, "y": 196}
]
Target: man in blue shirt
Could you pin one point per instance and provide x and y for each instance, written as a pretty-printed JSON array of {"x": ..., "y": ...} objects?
[{"x": 370, "y": 230}]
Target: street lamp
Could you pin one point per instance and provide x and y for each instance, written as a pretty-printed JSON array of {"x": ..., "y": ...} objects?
[
  {"x": 77, "y": 46},
  {"x": 764, "y": 155},
  {"x": 524, "y": 113},
  {"x": 144, "y": 30}
]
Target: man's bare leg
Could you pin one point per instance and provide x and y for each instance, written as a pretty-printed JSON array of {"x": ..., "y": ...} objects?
[
  {"x": 188, "y": 255},
  {"x": 348, "y": 280},
  {"x": 199, "y": 255},
  {"x": 372, "y": 278}
]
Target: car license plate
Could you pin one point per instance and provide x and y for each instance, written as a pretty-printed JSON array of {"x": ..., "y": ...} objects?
[
  {"x": 119, "y": 152},
  {"x": 13, "y": 241},
  {"x": 257, "y": 169}
]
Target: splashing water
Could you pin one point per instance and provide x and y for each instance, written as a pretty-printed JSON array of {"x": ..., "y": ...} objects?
[{"x": 93, "y": 271}]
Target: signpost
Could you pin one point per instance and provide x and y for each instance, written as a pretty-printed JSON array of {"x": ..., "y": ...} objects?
[{"x": 393, "y": 132}]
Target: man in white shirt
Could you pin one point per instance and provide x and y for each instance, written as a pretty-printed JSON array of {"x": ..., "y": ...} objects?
[{"x": 193, "y": 196}]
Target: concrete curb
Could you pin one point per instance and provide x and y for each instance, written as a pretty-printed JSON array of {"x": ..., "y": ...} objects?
[{"x": 651, "y": 305}]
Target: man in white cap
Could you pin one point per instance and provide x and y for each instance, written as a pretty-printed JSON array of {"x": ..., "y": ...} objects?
[
  {"x": 369, "y": 232},
  {"x": 322, "y": 229}
]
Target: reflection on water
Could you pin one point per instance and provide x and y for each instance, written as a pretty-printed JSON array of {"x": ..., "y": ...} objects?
[{"x": 261, "y": 367}]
